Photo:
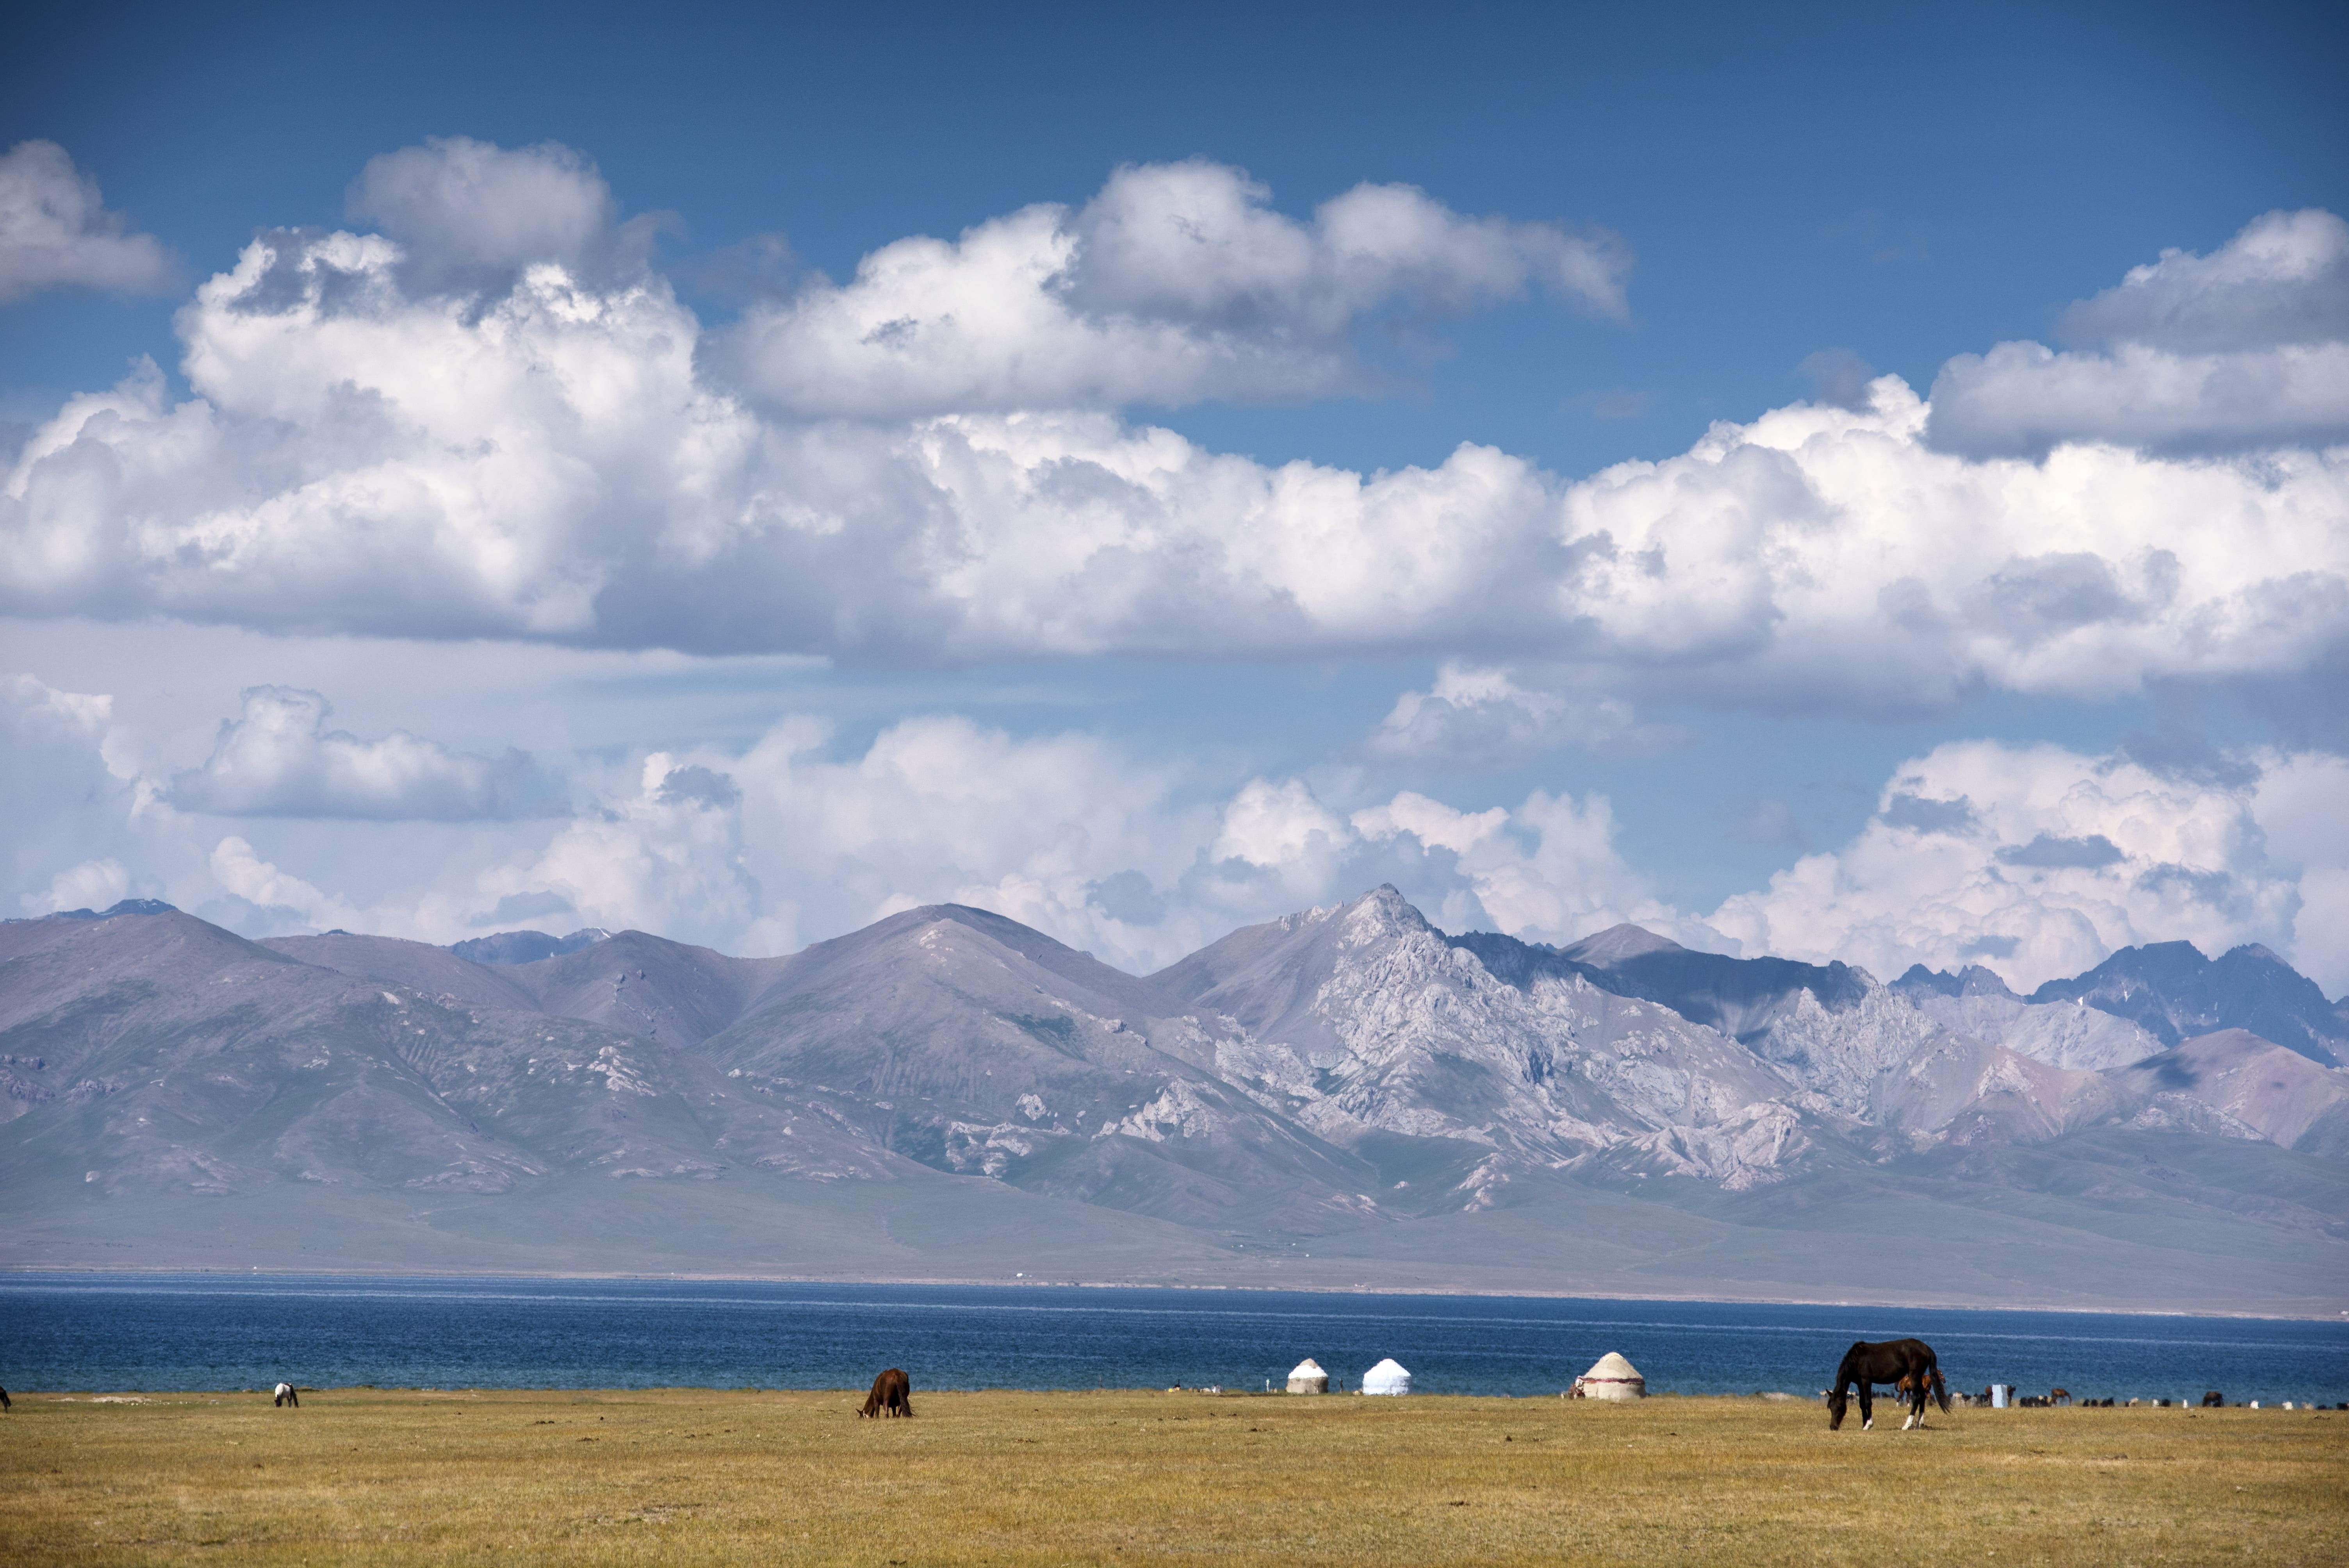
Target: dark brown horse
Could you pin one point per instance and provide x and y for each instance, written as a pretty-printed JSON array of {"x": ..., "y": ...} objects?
[
  {"x": 1908, "y": 1365},
  {"x": 892, "y": 1396}
]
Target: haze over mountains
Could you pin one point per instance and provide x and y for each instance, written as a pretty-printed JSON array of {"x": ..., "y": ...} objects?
[{"x": 1346, "y": 1096}]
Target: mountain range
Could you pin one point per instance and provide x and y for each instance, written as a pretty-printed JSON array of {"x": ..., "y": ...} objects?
[{"x": 1345, "y": 1096}]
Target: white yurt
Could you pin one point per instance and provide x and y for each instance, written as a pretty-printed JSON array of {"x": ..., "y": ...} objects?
[
  {"x": 1387, "y": 1378},
  {"x": 1611, "y": 1377},
  {"x": 1307, "y": 1377}
]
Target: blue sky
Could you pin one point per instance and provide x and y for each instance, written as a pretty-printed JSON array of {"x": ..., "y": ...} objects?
[{"x": 1767, "y": 210}]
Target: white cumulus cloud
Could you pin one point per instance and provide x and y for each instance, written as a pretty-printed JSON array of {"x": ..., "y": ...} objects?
[
  {"x": 576, "y": 484},
  {"x": 278, "y": 758},
  {"x": 470, "y": 214},
  {"x": 1478, "y": 715},
  {"x": 68, "y": 787},
  {"x": 270, "y": 892},
  {"x": 2040, "y": 862},
  {"x": 2037, "y": 860},
  {"x": 1548, "y": 871},
  {"x": 2283, "y": 279},
  {"x": 93, "y": 884},
  {"x": 1822, "y": 558},
  {"x": 764, "y": 848},
  {"x": 667, "y": 857},
  {"x": 360, "y": 457},
  {"x": 543, "y": 454},
  {"x": 2243, "y": 349},
  {"x": 55, "y": 232},
  {"x": 1178, "y": 282}
]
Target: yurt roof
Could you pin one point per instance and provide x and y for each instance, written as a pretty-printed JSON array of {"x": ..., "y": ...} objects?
[
  {"x": 1309, "y": 1367},
  {"x": 1388, "y": 1367},
  {"x": 1612, "y": 1368}
]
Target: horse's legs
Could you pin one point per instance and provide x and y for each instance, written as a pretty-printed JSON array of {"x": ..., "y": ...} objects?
[{"x": 1867, "y": 1403}]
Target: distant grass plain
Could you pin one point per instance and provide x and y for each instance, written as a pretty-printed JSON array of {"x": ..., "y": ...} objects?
[{"x": 703, "y": 1476}]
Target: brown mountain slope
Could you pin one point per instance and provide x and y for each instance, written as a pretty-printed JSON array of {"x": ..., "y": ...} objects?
[{"x": 981, "y": 1046}]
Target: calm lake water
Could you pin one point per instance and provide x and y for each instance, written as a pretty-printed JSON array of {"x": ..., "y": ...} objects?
[{"x": 213, "y": 1331}]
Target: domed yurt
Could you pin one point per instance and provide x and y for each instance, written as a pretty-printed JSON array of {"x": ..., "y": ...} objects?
[
  {"x": 1308, "y": 1378},
  {"x": 1611, "y": 1377},
  {"x": 1387, "y": 1378}
]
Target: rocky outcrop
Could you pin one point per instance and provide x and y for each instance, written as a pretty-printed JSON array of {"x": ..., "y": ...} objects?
[
  {"x": 2062, "y": 1034},
  {"x": 1363, "y": 1019}
]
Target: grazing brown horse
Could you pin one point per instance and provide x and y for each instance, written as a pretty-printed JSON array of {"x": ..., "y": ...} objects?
[
  {"x": 892, "y": 1396},
  {"x": 1908, "y": 1365}
]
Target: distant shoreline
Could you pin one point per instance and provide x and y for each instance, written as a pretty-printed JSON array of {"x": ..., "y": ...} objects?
[{"x": 13, "y": 1271}]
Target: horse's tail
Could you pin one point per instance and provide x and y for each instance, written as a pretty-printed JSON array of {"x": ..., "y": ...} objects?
[{"x": 1940, "y": 1390}]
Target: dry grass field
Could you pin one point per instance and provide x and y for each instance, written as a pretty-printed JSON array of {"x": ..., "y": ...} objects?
[{"x": 695, "y": 1476}]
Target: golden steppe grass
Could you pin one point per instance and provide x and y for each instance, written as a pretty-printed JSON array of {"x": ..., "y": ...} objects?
[{"x": 695, "y": 1476}]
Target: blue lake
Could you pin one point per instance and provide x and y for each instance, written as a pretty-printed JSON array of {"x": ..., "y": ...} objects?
[{"x": 162, "y": 1332}]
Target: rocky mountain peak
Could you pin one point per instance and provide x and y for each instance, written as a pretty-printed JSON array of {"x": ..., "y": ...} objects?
[
  {"x": 2174, "y": 993},
  {"x": 1973, "y": 980},
  {"x": 505, "y": 947},
  {"x": 1618, "y": 944},
  {"x": 1383, "y": 912}
]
